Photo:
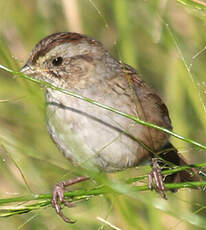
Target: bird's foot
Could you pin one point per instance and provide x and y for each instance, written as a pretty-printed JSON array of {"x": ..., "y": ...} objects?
[
  {"x": 155, "y": 178},
  {"x": 58, "y": 196}
]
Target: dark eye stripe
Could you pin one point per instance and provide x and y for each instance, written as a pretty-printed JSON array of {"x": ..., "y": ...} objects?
[{"x": 57, "y": 61}]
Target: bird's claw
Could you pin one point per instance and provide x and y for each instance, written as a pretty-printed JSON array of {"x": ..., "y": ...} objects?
[
  {"x": 58, "y": 199},
  {"x": 156, "y": 176},
  {"x": 58, "y": 196}
]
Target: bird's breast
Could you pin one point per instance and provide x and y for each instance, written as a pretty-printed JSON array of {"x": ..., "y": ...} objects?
[{"x": 92, "y": 136}]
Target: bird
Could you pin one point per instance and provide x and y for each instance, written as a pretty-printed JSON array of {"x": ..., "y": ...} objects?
[{"x": 89, "y": 136}]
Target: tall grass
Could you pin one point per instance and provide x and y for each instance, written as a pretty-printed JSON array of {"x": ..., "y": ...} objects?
[{"x": 160, "y": 38}]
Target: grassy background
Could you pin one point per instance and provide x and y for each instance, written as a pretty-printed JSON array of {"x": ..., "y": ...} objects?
[{"x": 163, "y": 40}]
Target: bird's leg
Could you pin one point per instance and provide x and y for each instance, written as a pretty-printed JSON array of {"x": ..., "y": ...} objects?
[
  {"x": 156, "y": 176},
  {"x": 58, "y": 196}
]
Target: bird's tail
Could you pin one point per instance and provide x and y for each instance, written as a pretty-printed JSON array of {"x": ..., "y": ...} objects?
[{"x": 171, "y": 155}]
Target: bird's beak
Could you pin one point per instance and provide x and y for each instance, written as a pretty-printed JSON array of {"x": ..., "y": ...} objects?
[{"x": 27, "y": 70}]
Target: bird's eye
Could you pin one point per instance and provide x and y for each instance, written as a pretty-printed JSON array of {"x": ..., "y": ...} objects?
[{"x": 57, "y": 61}]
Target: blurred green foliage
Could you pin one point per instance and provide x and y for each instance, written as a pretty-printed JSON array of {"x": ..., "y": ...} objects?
[{"x": 165, "y": 41}]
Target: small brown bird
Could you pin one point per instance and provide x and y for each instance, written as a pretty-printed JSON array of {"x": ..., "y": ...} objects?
[{"x": 88, "y": 135}]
